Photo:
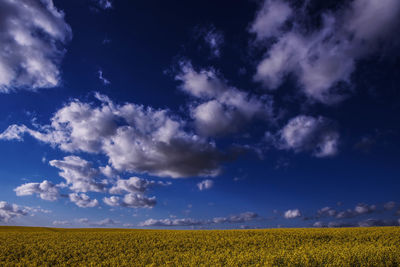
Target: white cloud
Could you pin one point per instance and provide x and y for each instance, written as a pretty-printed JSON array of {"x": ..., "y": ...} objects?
[
  {"x": 133, "y": 137},
  {"x": 32, "y": 37},
  {"x": 45, "y": 190},
  {"x": 370, "y": 20},
  {"x": 346, "y": 214},
  {"x": 14, "y": 132},
  {"x": 306, "y": 133},
  {"x": 364, "y": 208},
  {"x": 10, "y": 211},
  {"x": 270, "y": 18},
  {"x": 214, "y": 40},
  {"x": 171, "y": 222},
  {"x": 371, "y": 222},
  {"x": 390, "y": 205},
  {"x": 134, "y": 185},
  {"x": 104, "y": 4},
  {"x": 359, "y": 209},
  {"x": 291, "y": 214},
  {"x": 105, "y": 222},
  {"x": 322, "y": 58},
  {"x": 341, "y": 224},
  {"x": 112, "y": 201},
  {"x": 224, "y": 109},
  {"x": 36, "y": 210},
  {"x": 319, "y": 224},
  {"x": 240, "y": 218},
  {"x": 79, "y": 174},
  {"x": 109, "y": 172},
  {"x": 138, "y": 201},
  {"x": 131, "y": 200},
  {"x": 378, "y": 222},
  {"x": 102, "y": 78},
  {"x": 326, "y": 212},
  {"x": 61, "y": 223},
  {"x": 205, "y": 184},
  {"x": 82, "y": 200}
]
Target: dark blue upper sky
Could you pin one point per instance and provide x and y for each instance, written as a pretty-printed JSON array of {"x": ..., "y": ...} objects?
[{"x": 203, "y": 114}]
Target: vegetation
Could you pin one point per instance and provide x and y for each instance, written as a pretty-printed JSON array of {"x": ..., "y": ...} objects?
[{"x": 23, "y": 246}]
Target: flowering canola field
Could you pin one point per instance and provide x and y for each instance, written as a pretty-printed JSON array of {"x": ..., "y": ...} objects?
[{"x": 21, "y": 246}]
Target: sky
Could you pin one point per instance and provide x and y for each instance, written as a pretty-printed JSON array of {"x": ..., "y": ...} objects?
[{"x": 199, "y": 114}]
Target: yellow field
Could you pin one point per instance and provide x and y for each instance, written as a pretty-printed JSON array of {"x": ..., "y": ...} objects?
[{"x": 277, "y": 247}]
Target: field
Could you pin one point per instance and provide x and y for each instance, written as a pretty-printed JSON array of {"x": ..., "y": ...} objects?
[{"x": 277, "y": 247}]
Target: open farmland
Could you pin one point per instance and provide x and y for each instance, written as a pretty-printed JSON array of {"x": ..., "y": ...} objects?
[{"x": 275, "y": 247}]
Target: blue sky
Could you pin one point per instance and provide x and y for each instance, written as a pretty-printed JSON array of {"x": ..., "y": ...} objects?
[{"x": 199, "y": 114}]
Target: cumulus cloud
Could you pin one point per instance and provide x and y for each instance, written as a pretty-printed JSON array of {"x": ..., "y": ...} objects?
[
  {"x": 377, "y": 222},
  {"x": 319, "y": 224},
  {"x": 112, "y": 201},
  {"x": 359, "y": 209},
  {"x": 32, "y": 36},
  {"x": 82, "y": 200},
  {"x": 134, "y": 185},
  {"x": 102, "y": 223},
  {"x": 205, "y": 184},
  {"x": 240, "y": 218},
  {"x": 133, "y": 137},
  {"x": 109, "y": 172},
  {"x": 389, "y": 205},
  {"x": 270, "y": 18},
  {"x": 171, "y": 222},
  {"x": 79, "y": 174},
  {"x": 326, "y": 212},
  {"x": 291, "y": 214},
  {"x": 306, "y": 133},
  {"x": 363, "y": 208},
  {"x": 46, "y": 190},
  {"x": 131, "y": 200},
  {"x": 365, "y": 223},
  {"x": 10, "y": 211},
  {"x": 61, "y": 223},
  {"x": 322, "y": 58},
  {"x": 336, "y": 224},
  {"x": 36, "y": 210},
  {"x": 138, "y": 201},
  {"x": 349, "y": 213},
  {"x": 222, "y": 108}
]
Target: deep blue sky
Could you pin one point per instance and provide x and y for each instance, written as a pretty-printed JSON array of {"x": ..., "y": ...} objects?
[{"x": 241, "y": 113}]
